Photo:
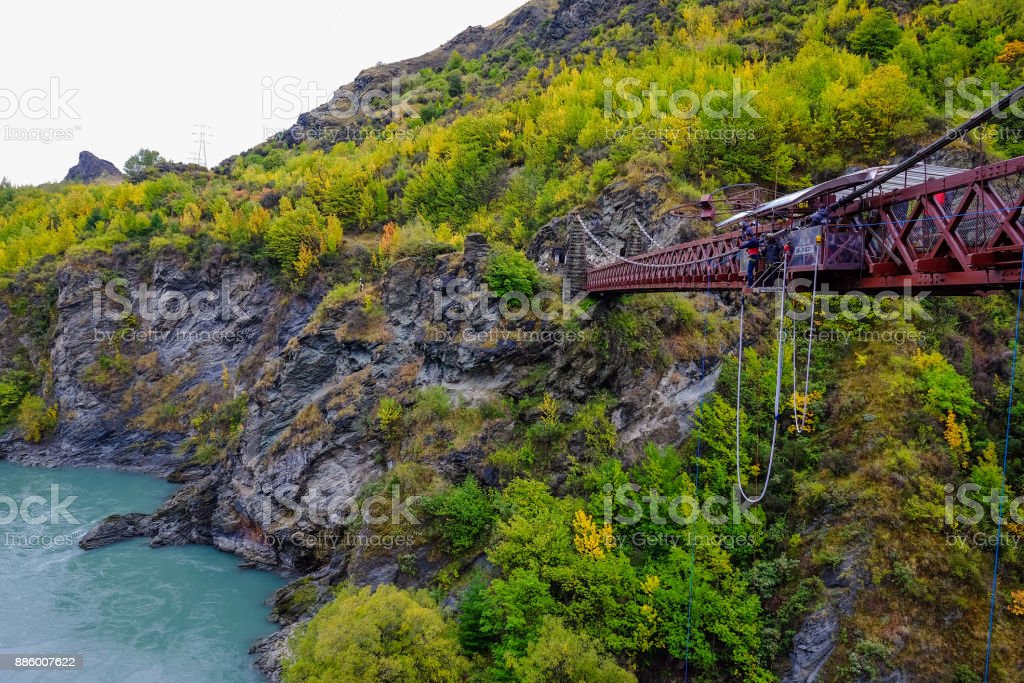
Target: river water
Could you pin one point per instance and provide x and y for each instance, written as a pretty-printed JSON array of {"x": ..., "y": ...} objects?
[{"x": 133, "y": 613}]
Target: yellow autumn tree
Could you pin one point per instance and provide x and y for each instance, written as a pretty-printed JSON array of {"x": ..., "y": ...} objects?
[
  {"x": 589, "y": 540},
  {"x": 1012, "y": 51},
  {"x": 957, "y": 439},
  {"x": 800, "y": 404},
  {"x": 258, "y": 221},
  {"x": 1017, "y": 603},
  {"x": 333, "y": 234},
  {"x": 305, "y": 260},
  {"x": 190, "y": 216},
  {"x": 549, "y": 410}
]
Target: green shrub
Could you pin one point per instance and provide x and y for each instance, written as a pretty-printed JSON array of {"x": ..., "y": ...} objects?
[
  {"x": 107, "y": 371},
  {"x": 338, "y": 295},
  {"x": 562, "y": 654},
  {"x": 367, "y": 636},
  {"x": 14, "y": 384},
  {"x": 432, "y": 403},
  {"x": 868, "y": 657},
  {"x": 509, "y": 460},
  {"x": 510, "y": 271},
  {"x": 876, "y": 35},
  {"x": 35, "y": 419},
  {"x": 389, "y": 415},
  {"x": 462, "y": 515}
]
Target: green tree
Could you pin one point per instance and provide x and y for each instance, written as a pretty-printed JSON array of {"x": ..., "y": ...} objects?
[
  {"x": 14, "y": 384},
  {"x": 35, "y": 419},
  {"x": 455, "y": 61},
  {"x": 560, "y": 655},
  {"x": 462, "y": 514},
  {"x": 876, "y": 34},
  {"x": 365, "y": 636},
  {"x": 883, "y": 110},
  {"x": 140, "y": 163},
  {"x": 295, "y": 236},
  {"x": 513, "y": 610},
  {"x": 510, "y": 271},
  {"x": 455, "y": 87}
]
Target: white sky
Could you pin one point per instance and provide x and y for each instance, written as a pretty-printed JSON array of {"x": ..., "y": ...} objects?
[{"x": 146, "y": 74}]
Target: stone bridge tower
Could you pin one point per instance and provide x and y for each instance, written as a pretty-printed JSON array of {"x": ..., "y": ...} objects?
[{"x": 574, "y": 272}]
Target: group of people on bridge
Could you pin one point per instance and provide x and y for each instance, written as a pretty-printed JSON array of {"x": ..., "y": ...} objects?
[{"x": 771, "y": 248}]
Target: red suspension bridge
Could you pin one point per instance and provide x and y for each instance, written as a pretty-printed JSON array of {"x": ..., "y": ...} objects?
[
  {"x": 956, "y": 233},
  {"x": 908, "y": 227}
]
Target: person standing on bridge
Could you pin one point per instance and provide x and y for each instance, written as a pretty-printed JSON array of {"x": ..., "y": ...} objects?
[
  {"x": 753, "y": 247},
  {"x": 772, "y": 258},
  {"x": 818, "y": 218}
]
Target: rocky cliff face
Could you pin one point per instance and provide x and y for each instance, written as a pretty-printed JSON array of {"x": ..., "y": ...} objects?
[
  {"x": 146, "y": 353},
  {"x": 91, "y": 169}
]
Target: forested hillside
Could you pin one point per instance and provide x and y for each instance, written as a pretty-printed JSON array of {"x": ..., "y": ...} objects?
[{"x": 550, "y": 543}]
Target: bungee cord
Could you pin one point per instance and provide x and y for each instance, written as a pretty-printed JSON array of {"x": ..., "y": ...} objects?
[{"x": 780, "y": 355}]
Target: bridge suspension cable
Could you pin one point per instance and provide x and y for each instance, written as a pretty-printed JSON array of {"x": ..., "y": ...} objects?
[
  {"x": 646, "y": 234},
  {"x": 608, "y": 252}
]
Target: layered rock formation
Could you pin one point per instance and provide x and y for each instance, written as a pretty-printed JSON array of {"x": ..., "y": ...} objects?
[{"x": 91, "y": 169}]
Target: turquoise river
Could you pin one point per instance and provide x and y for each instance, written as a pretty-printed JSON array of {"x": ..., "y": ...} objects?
[{"x": 133, "y": 613}]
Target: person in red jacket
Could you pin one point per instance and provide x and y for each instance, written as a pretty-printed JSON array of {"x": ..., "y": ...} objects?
[{"x": 753, "y": 247}]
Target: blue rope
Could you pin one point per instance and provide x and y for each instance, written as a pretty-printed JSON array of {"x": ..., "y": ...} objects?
[
  {"x": 696, "y": 482},
  {"x": 1002, "y": 492}
]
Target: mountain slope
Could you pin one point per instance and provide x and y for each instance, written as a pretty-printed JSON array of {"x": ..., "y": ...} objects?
[{"x": 357, "y": 353}]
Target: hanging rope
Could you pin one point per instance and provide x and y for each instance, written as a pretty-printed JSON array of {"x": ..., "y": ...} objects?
[
  {"x": 778, "y": 391},
  {"x": 800, "y": 421},
  {"x": 696, "y": 479},
  {"x": 1002, "y": 491}
]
